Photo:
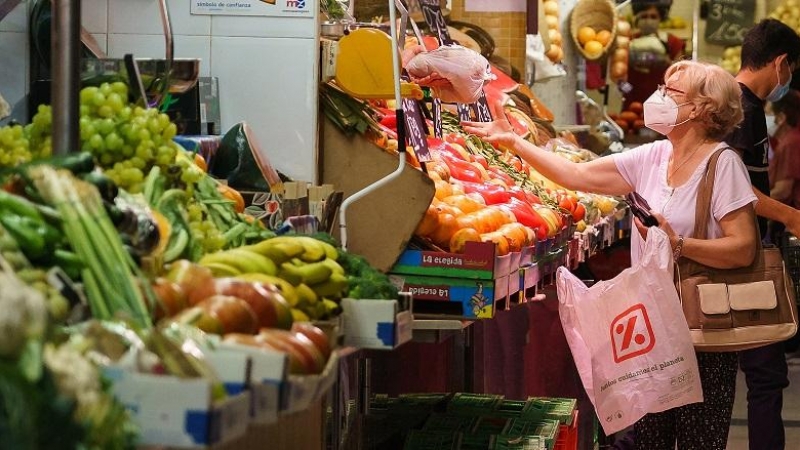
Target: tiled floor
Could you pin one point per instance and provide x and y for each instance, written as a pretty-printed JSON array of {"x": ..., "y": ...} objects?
[{"x": 737, "y": 439}]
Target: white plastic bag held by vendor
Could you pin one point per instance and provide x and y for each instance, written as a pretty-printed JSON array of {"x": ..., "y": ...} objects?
[
  {"x": 465, "y": 69},
  {"x": 630, "y": 340}
]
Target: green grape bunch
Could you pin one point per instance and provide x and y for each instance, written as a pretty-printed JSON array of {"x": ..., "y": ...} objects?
[
  {"x": 125, "y": 140},
  {"x": 19, "y": 145}
]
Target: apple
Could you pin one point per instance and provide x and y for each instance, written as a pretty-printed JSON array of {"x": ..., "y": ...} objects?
[
  {"x": 317, "y": 336},
  {"x": 189, "y": 276},
  {"x": 234, "y": 314},
  {"x": 172, "y": 299},
  {"x": 304, "y": 356},
  {"x": 266, "y": 300},
  {"x": 201, "y": 319}
]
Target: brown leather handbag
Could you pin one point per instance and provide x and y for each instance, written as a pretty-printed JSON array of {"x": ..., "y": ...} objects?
[{"x": 734, "y": 309}]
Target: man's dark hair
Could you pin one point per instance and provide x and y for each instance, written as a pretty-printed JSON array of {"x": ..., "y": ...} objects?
[
  {"x": 766, "y": 41},
  {"x": 789, "y": 106},
  {"x": 661, "y": 5}
]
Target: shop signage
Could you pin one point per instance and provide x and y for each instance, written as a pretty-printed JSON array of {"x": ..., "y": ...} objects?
[
  {"x": 273, "y": 8},
  {"x": 416, "y": 129},
  {"x": 432, "y": 13},
  {"x": 495, "y": 5},
  {"x": 437, "y": 118},
  {"x": 728, "y": 21}
]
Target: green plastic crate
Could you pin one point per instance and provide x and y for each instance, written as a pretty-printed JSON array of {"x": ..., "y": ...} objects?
[
  {"x": 490, "y": 425},
  {"x": 473, "y": 404},
  {"x": 510, "y": 408},
  {"x": 544, "y": 428},
  {"x": 557, "y": 408},
  {"x": 432, "y": 440},
  {"x": 476, "y": 442},
  {"x": 450, "y": 422},
  {"x": 504, "y": 442}
]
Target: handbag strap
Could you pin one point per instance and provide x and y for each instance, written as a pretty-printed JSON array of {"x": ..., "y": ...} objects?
[{"x": 702, "y": 214}]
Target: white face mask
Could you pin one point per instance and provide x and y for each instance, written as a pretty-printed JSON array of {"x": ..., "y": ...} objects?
[
  {"x": 661, "y": 112},
  {"x": 772, "y": 126},
  {"x": 779, "y": 90}
]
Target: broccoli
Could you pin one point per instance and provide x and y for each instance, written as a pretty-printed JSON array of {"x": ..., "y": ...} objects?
[{"x": 365, "y": 280}]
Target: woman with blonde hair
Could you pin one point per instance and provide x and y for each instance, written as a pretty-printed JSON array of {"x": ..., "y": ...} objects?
[{"x": 695, "y": 108}]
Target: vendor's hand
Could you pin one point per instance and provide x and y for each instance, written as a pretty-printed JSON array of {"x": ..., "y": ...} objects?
[
  {"x": 410, "y": 52},
  {"x": 434, "y": 80}
]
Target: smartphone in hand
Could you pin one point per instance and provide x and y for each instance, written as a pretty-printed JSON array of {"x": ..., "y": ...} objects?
[{"x": 641, "y": 210}]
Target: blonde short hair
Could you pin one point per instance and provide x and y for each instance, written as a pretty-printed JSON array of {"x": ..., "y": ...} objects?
[{"x": 716, "y": 94}]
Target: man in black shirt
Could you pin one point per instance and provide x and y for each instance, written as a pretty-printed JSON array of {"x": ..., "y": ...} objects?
[{"x": 770, "y": 53}]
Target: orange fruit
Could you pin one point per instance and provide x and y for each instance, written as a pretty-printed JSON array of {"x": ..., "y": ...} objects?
[
  {"x": 468, "y": 221},
  {"x": 515, "y": 234},
  {"x": 603, "y": 37},
  {"x": 501, "y": 243},
  {"x": 461, "y": 237},
  {"x": 232, "y": 195},
  {"x": 464, "y": 203},
  {"x": 447, "y": 227},
  {"x": 586, "y": 34},
  {"x": 444, "y": 208},
  {"x": 428, "y": 223},
  {"x": 443, "y": 189},
  {"x": 593, "y": 49},
  {"x": 200, "y": 162}
]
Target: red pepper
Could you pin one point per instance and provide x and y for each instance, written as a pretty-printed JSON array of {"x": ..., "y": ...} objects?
[
  {"x": 460, "y": 169},
  {"x": 455, "y": 138},
  {"x": 492, "y": 194},
  {"x": 498, "y": 173},
  {"x": 518, "y": 193},
  {"x": 528, "y": 217},
  {"x": 389, "y": 121},
  {"x": 480, "y": 159}
]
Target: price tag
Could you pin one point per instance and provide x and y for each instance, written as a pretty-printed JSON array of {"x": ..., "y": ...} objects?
[
  {"x": 481, "y": 108},
  {"x": 432, "y": 13},
  {"x": 437, "y": 118},
  {"x": 729, "y": 20},
  {"x": 416, "y": 130},
  {"x": 464, "y": 112}
]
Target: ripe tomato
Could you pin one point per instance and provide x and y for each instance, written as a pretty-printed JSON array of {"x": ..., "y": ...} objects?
[{"x": 579, "y": 213}]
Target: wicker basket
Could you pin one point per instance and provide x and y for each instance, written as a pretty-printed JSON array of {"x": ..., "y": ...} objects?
[{"x": 598, "y": 14}]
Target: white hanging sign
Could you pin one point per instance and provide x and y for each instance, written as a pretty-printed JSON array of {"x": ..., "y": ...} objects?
[
  {"x": 274, "y": 8},
  {"x": 495, "y": 5}
]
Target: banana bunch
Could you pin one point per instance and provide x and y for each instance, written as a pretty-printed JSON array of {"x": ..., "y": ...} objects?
[{"x": 304, "y": 268}]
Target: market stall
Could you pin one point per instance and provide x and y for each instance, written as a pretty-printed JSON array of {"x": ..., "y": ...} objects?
[{"x": 177, "y": 291}]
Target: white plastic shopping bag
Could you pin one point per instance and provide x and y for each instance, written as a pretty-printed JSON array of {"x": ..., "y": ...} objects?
[
  {"x": 630, "y": 340},
  {"x": 466, "y": 69}
]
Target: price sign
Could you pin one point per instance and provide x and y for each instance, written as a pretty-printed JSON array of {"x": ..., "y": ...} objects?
[
  {"x": 416, "y": 130},
  {"x": 464, "y": 112},
  {"x": 432, "y": 12},
  {"x": 481, "y": 108},
  {"x": 437, "y": 118},
  {"x": 729, "y": 20}
]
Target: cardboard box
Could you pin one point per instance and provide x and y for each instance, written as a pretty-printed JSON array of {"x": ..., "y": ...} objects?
[
  {"x": 301, "y": 391},
  {"x": 268, "y": 371},
  {"x": 529, "y": 276},
  {"x": 178, "y": 412},
  {"x": 478, "y": 262},
  {"x": 232, "y": 368},
  {"x": 467, "y": 298},
  {"x": 376, "y": 324}
]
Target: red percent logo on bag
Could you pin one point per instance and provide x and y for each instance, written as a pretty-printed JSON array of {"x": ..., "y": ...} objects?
[{"x": 631, "y": 333}]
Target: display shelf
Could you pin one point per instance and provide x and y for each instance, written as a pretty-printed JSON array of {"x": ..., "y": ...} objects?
[{"x": 437, "y": 330}]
